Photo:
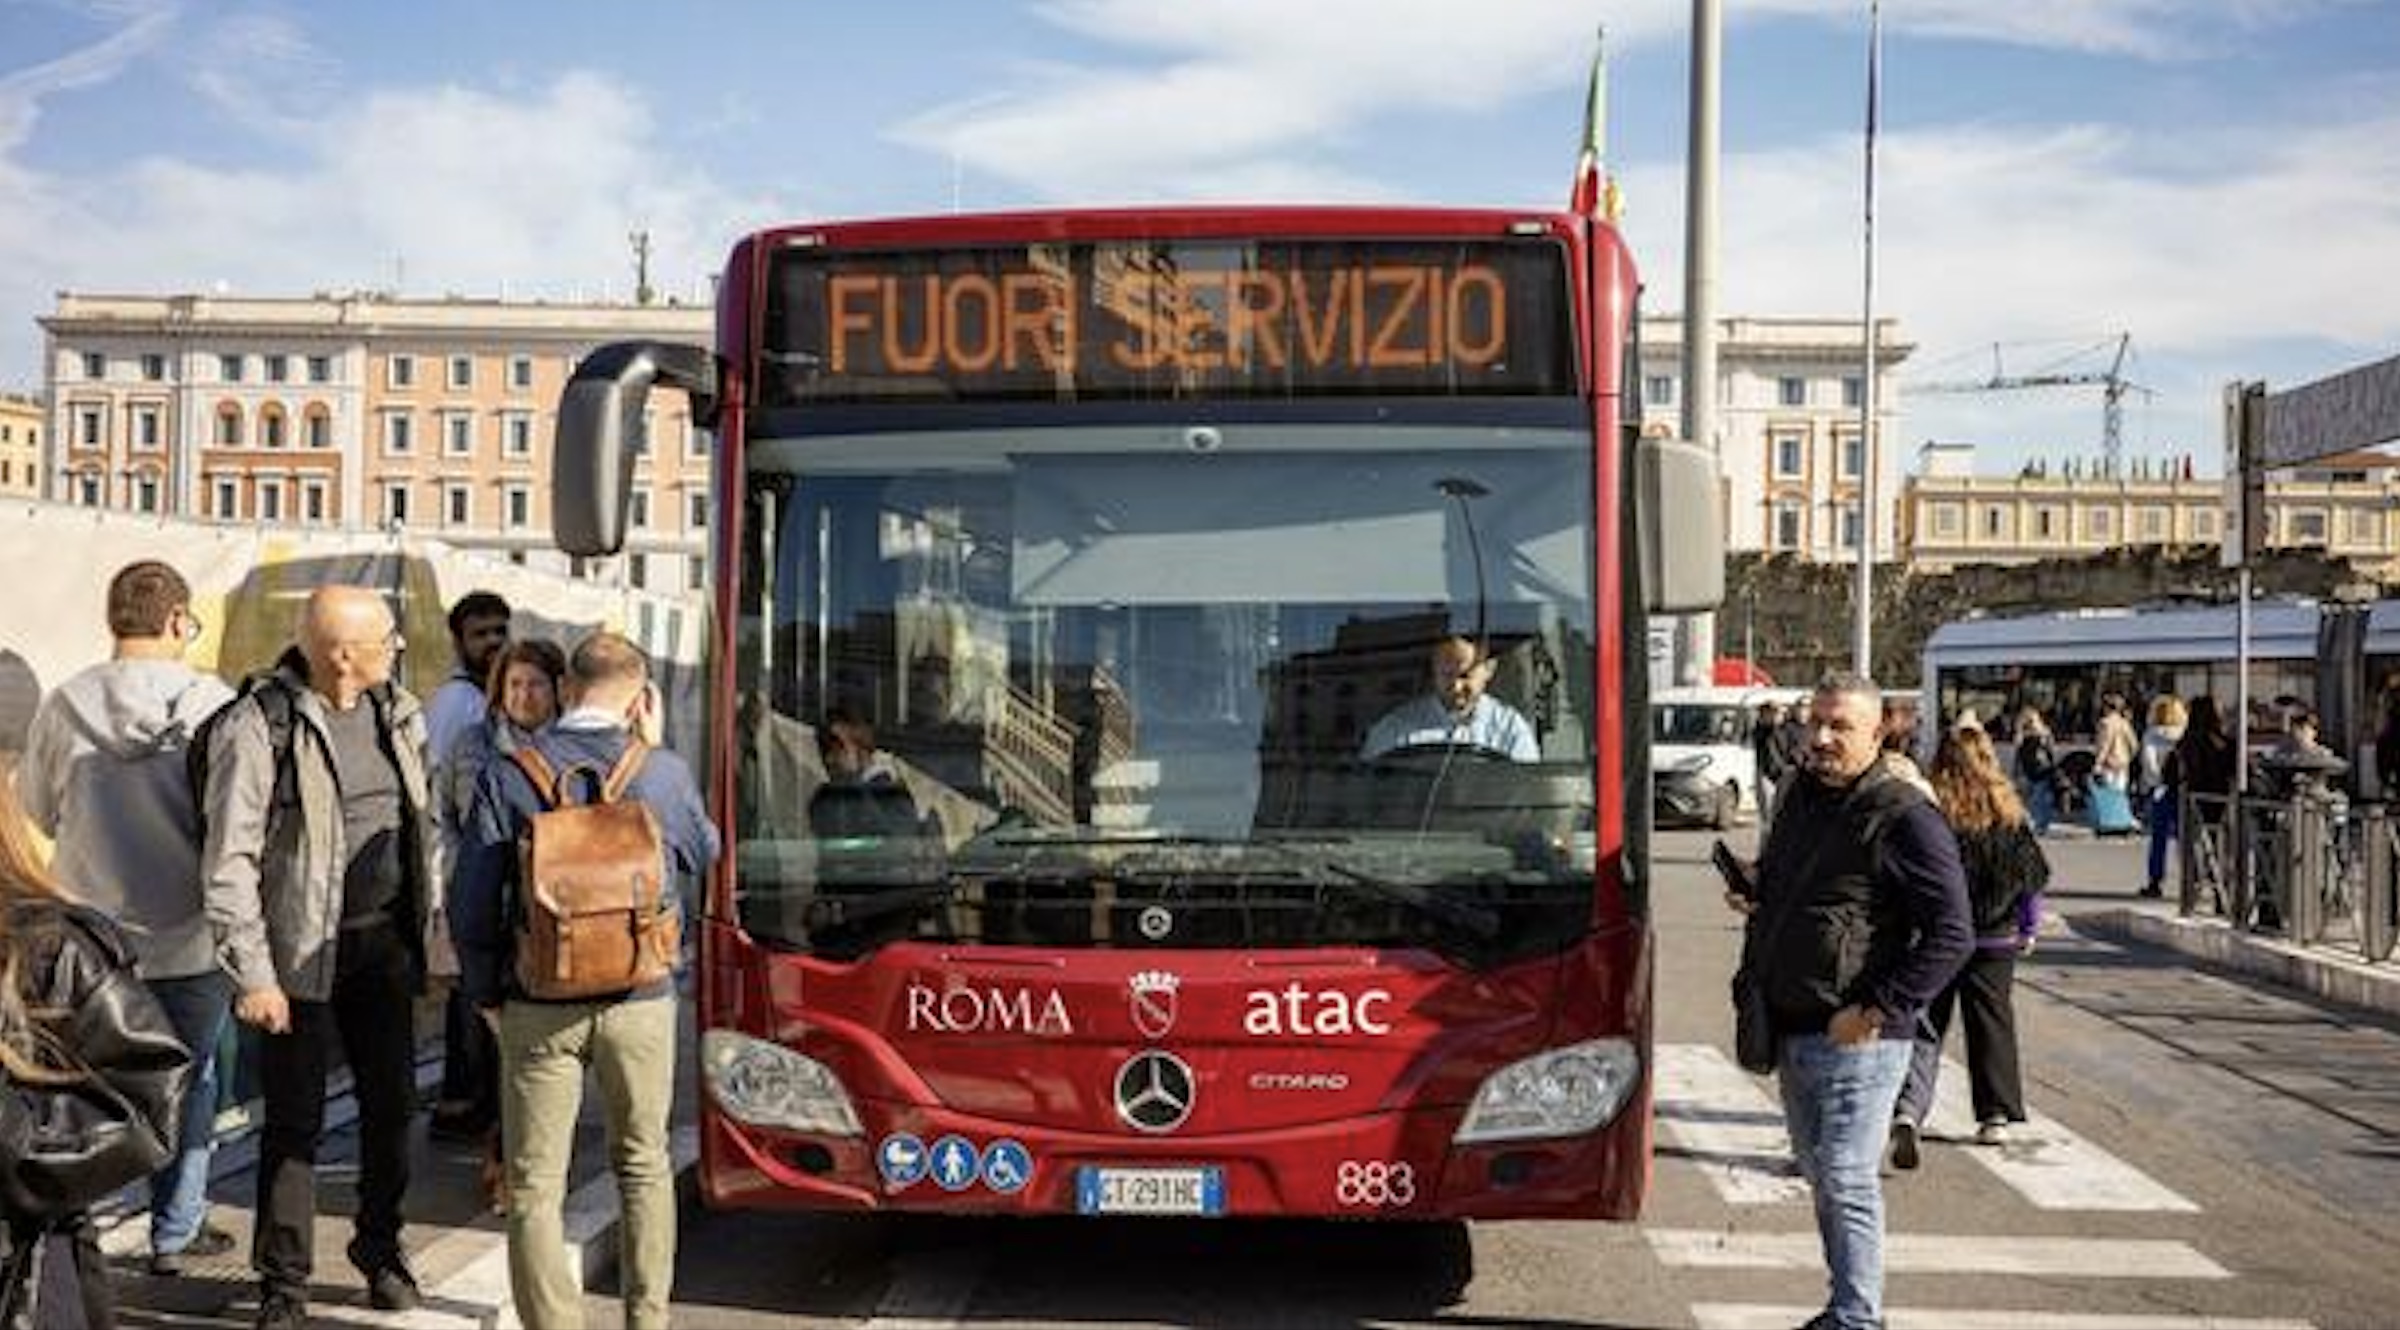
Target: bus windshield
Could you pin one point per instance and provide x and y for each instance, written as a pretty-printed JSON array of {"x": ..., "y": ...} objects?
[{"x": 1119, "y": 685}]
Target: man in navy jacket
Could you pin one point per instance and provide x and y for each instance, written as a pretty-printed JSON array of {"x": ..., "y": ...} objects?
[{"x": 545, "y": 1046}]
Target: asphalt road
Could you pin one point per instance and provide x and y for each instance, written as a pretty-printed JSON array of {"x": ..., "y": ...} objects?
[{"x": 2206, "y": 1152}]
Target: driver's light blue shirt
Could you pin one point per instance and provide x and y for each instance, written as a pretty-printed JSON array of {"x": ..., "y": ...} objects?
[{"x": 1491, "y": 724}]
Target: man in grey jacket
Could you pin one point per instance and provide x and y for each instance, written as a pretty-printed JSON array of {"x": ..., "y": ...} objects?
[
  {"x": 104, "y": 777},
  {"x": 319, "y": 868}
]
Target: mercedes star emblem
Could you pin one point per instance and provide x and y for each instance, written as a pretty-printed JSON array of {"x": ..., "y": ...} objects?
[{"x": 1154, "y": 1091}]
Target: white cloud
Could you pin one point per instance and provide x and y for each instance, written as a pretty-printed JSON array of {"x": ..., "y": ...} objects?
[{"x": 22, "y": 90}]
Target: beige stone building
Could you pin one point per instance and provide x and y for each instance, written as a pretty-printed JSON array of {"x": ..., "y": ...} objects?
[
  {"x": 2347, "y": 506},
  {"x": 360, "y": 410},
  {"x": 23, "y": 421},
  {"x": 1789, "y": 392}
]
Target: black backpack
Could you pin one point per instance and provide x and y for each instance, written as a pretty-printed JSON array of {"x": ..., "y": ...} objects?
[{"x": 275, "y": 703}]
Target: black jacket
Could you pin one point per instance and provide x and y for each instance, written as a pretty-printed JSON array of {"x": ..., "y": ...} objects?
[
  {"x": 1861, "y": 900},
  {"x": 113, "y": 1117}
]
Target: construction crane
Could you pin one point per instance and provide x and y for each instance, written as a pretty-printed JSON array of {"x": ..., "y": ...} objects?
[{"x": 2113, "y": 387}]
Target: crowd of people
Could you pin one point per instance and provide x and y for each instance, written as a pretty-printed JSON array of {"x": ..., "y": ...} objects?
[{"x": 303, "y": 855}]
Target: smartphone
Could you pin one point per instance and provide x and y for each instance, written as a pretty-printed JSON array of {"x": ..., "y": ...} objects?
[{"x": 1733, "y": 870}]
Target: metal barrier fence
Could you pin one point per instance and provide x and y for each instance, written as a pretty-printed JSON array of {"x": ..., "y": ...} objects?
[{"x": 2314, "y": 869}]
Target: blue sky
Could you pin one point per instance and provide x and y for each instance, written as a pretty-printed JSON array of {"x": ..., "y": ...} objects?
[{"x": 2221, "y": 178}]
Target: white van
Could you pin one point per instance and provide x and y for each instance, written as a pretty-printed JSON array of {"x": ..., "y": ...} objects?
[{"x": 1702, "y": 767}]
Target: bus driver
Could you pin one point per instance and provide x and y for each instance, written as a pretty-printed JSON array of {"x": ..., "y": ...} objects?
[{"x": 1456, "y": 711}]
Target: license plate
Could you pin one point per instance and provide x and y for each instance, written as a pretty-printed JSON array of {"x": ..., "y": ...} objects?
[{"x": 1150, "y": 1191}]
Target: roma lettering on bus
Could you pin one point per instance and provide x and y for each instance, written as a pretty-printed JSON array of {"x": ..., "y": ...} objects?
[
  {"x": 964, "y": 323},
  {"x": 967, "y": 1009},
  {"x": 1295, "y": 1010}
]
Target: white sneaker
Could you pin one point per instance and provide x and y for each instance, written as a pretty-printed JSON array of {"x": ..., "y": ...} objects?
[{"x": 1994, "y": 1132}]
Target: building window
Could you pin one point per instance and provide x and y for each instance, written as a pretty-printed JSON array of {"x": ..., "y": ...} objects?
[
  {"x": 395, "y": 502},
  {"x": 146, "y": 433},
  {"x": 458, "y": 433},
  {"x": 1945, "y": 520},
  {"x": 2099, "y": 524},
  {"x": 88, "y": 426},
  {"x": 312, "y": 500},
  {"x": 154, "y": 368},
  {"x": 229, "y": 426},
  {"x": 90, "y": 483},
  {"x": 1787, "y": 525},
  {"x": 457, "y": 504},
  {"x": 520, "y": 506},
  {"x": 695, "y": 441},
  {"x": 2045, "y": 523},
  {"x": 695, "y": 511},
  {"x": 1850, "y": 526},
  {"x": 270, "y": 501},
  {"x": 2204, "y": 524},
  {"x": 2308, "y": 526},
  {"x": 2151, "y": 521},
  {"x": 462, "y": 373},
  {"x": 517, "y": 434},
  {"x": 145, "y": 494},
  {"x": 1787, "y": 457},
  {"x": 279, "y": 369},
  {"x": 95, "y": 365},
  {"x": 520, "y": 373},
  {"x": 1995, "y": 521},
  {"x": 228, "y": 500},
  {"x": 637, "y": 570},
  {"x": 229, "y": 368},
  {"x": 270, "y": 427},
  {"x": 1791, "y": 390},
  {"x": 641, "y": 510},
  {"x": 1853, "y": 458},
  {"x": 2366, "y": 527},
  {"x": 1854, "y": 391},
  {"x": 641, "y": 437},
  {"x": 320, "y": 428},
  {"x": 1659, "y": 389},
  {"x": 399, "y": 433},
  {"x": 695, "y": 573},
  {"x": 320, "y": 369},
  {"x": 401, "y": 371}
]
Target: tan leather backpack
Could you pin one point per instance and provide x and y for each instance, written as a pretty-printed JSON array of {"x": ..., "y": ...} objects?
[{"x": 594, "y": 919}]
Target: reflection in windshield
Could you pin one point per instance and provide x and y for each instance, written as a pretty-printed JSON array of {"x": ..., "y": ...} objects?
[
  {"x": 1690, "y": 723},
  {"x": 1088, "y": 688}
]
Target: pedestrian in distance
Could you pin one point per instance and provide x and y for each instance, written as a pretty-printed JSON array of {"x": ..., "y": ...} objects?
[
  {"x": 626, "y": 1036},
  {"x": 521, "y": 699},
  {"x": 469, "y": 1106},
  {"x": 319, "y": 862},
  {"x": 1768, "y": 757},
  {"x": 1860, "y": 919},
  {"x": 2114, "y": 749},
  {"x": 2167, "y": 720},
  {"x": 2006, "y": 872},
  {"x": 2037, "y": 768},
  {"x": 91, "y": 1087},
  {"x": 104, "y": 777}
]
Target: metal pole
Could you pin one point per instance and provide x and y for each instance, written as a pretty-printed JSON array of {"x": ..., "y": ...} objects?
[
  {"x": 1696, "y": 636},
  {"x": 1862, "y": 638}
]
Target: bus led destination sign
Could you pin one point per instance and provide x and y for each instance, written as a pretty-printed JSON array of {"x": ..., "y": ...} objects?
[{"x": 1189, "y": 320}]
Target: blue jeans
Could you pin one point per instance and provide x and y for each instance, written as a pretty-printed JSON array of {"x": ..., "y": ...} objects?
[
  {"x": 2041, "y": 804},
  {"x": 2165, "y": 812},
  {"x": 197, "y": 1007},
  {"x": 1837, "y": 1104}
]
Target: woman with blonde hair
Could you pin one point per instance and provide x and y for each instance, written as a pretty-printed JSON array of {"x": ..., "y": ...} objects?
[
  {"x": 2006, "y": 872},
  {"x": 2167, "y": 718},
  {"x": 91, "y": 1078}
]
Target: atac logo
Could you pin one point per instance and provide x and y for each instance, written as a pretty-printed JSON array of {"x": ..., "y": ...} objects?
[{"x": 1152, "y": 993}]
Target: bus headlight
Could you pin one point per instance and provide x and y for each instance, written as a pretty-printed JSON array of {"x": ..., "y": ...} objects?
[
  {"x": 1564, "y": 1092},
  {"x": 768, "y": 1085}
]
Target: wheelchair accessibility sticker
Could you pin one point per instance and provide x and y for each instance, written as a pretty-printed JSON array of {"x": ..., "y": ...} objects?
[
  {"x": 902, "y": 1160},
  {"x": 1006, "y": 1167}
]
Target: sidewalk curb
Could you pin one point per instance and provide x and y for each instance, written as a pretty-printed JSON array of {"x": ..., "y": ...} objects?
[{"x": 2313, "y": 970}]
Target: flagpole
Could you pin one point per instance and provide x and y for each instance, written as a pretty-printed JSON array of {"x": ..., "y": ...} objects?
[{"x": 1862, "y": 643}]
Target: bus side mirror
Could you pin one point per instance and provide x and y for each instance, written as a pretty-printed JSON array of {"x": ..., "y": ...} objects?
[
  {"x": 600, "y": 420},
  {"x": 1679, "y": 528}
]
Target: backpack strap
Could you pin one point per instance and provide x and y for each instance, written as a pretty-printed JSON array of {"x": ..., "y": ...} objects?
[
  {"x": 538, "y": 770},
  {"x": 629, "y": 765}
]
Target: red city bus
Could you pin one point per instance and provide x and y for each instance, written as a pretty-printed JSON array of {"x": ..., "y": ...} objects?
[{"x": 1065, "y": 564}]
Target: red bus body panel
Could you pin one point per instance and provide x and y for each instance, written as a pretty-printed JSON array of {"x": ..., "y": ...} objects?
[{"x": 1372, "y": 1056}]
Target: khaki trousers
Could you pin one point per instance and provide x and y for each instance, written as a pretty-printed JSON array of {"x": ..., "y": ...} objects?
[{"x": 544, "y": 1049}]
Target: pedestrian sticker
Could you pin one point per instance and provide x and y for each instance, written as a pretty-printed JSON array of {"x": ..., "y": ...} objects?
[
  {"x": 902, "y": 1159},
  {"x": 955, "y": 1163},
  {"x": 1006, "y": 1167}
]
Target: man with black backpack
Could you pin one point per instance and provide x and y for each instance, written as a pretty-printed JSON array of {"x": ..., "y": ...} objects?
[
  {"x": 318, "y": 858},
  {"x": 565, "y": 907},
  {"x": 1860, "y": 919}
]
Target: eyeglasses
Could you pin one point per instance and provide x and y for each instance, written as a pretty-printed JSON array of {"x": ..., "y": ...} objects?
[
  {"x": 193, "y": 629},
  {"x": 391, "y": 641}
]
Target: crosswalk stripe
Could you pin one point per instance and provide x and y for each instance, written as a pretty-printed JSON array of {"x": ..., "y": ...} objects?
[
  {"x": 1756, "y": 1316},
  {"x": 1719, "y": 1117},
  {"x": 1944, "y": 1253},
  {"x": 2048, "y": 1164}
]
